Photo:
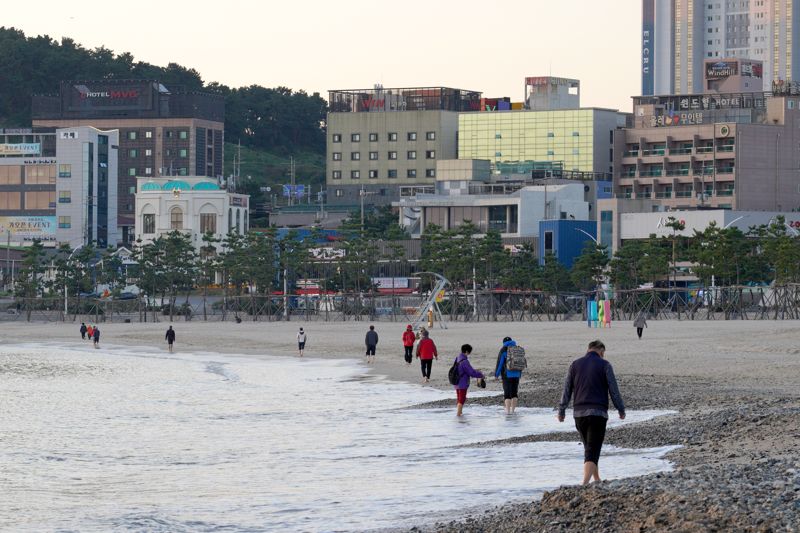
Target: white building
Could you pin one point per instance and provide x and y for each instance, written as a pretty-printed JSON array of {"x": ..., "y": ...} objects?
[
  {"x": 677, "y": 36},
  {"x": 463, "y": 193},
  {"x": 86, "y": 186},
  {"x": 192, "y": 204}
]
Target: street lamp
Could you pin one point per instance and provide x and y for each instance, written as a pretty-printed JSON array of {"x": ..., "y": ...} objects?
[
  {"x": 789, "y": 226},
  {"x": 729, "y": 224},
  {"x": 588, "y": 235},
  {"x": 362, "y": 193}
]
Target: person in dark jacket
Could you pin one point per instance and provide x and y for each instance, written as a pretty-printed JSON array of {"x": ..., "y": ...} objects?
[
  {"x": 83, "y": 330},
  {"x": 589, "y": 382},
  {"x": 96, "y": 336},
  {"x": 170, "y": 338},
  {"x": 371, "y": 340},
  {"x": 408, "y": 343},
  {"x": 465, "y": 372},
  {"x": 510, "y": 377}
]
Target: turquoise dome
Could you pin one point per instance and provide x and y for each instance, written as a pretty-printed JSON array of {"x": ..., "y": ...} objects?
[
  {"x": 151, "y": 186},
  {"x": 206, "y": 186},
  {"x": 176, "y": 184}
]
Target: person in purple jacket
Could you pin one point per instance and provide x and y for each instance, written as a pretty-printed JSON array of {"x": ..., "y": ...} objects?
[{"x": 465, "y": 372}]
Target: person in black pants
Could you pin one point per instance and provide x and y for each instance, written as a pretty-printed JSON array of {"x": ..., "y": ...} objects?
[
  {"x": 591, "y": 379},
  {"x": 510, "y": 377}
]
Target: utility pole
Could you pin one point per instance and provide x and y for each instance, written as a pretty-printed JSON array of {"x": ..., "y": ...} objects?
[{"x": 291, "y": 180}]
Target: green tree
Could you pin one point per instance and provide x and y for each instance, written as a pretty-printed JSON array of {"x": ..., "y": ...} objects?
[
  {"x": 29, "y": 282},
  {"x": 588, "y": 270}
]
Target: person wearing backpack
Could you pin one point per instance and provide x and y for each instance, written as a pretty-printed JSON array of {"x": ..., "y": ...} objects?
[
  {"x": 463, "y": 371},
  {"x": 510, "y": 377}
]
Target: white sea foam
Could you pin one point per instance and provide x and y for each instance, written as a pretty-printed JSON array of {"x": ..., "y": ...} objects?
[{"x": 126, "y": 439}]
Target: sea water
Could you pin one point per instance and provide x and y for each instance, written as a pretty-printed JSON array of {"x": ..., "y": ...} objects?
[{"x": 124, "y": 439}]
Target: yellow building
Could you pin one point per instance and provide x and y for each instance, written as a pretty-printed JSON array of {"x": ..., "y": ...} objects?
[{"x": 580, "y": 139}]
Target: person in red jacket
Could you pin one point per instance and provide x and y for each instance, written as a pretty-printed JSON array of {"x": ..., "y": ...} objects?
[
  {"x": 408, "y": 343},
  {"x": 426, "y": 353}
]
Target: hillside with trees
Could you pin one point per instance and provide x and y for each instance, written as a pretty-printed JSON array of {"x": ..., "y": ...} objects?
[{"x": 271, "y": 123}]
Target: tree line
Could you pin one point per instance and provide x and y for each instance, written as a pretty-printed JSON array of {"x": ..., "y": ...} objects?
[{"x": 277, "y": 119}]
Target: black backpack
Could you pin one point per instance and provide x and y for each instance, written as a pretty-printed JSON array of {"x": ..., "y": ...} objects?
[{"x": 452, "y": 374}]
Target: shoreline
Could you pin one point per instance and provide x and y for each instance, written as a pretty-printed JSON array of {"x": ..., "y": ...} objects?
[{"x": 734, "y": 387}]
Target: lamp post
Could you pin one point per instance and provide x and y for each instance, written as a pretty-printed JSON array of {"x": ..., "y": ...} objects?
[
  {"x": 362, "y": 193},
  {"x": 588, "y": 235}
]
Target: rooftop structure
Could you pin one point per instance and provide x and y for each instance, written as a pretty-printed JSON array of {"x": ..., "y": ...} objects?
[{"x": 380, "y": 99}]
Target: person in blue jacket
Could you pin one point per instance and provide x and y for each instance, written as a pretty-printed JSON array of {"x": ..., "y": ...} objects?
[{"x": 510, "y": 377}]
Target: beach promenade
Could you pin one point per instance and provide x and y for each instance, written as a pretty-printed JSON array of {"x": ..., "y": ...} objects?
[{"x": 735, "y": 385}]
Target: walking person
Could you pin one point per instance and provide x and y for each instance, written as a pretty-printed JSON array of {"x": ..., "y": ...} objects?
[
  {"x": 301, "y": 341},
  {"x": 465, "y": 372},
  {"x": 408, "y": 343},
  {"x": 640, "y": 323},
  {"x": 96, "y": 336},
  {"x": 83, "y": 330},
  {"x": 590, "y": 380},
  {"x": 510, "y": 377},
  {"x": 371, "y": 340},
  {"x": 426, "y": 353},
  {"x": 170, "y": 338}
]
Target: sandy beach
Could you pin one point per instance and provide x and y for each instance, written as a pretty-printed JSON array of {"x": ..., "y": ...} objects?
[{"x": 735, "y": 385}]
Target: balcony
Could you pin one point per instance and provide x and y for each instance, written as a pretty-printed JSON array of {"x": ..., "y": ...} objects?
[
  {"x": 664, "y": 194},
  {"x": 651, "y": 173},
  {"x": 629, "y": 173},
  {"x": 677, "y": 172},
  {"x": 654, "y": 152},
  {"x": 725, "y": 170},
  {"x": 703, "y": 171},
  {"x": 725, "y": 192},
  {"x": 725, "y": 148},
  {"x": 705, "y": 149},
  {"x": 630, "y": 153},
  {"x": 683, "y": 194},
  {"x": 627, "y": 194},
  {"x": 680, "y": 151}
]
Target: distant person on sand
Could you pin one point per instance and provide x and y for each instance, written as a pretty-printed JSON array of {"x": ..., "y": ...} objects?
[
  {"x": 90, "y": 331},
  {"x": 465, "y": 372},
  {"x": 96, "y": 336},
  {"x": 426, "y": 353},
  {"x": 408, "y": 343},
  {"x": 301, "y": 341},
  {"x": 640, "y": 323},
  {"x": 371, "y": 340},
  {"x": 83, "y": 330},
  {"x": 591, "y": 380},
  {"x": 510, "y": 377},
  {"x": 170, "y": 338}
]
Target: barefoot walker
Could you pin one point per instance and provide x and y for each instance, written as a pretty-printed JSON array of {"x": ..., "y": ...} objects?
[{"x": 591, "y": 379}]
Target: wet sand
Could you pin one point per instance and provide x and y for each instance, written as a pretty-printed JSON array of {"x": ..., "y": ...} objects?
[{"x": 735, "y": 385}]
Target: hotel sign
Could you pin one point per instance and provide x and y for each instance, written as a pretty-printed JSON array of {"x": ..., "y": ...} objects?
[
  {"x": 676, "y": 119},
  {"x": 717, "y": 70}
]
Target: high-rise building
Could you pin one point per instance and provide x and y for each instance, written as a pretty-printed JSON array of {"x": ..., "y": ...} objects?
[
  {"x": 162, "y": 131},
  {"x": 679, "y": 35}
]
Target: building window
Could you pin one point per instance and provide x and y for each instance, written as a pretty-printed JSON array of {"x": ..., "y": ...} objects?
[
  {"x": 148, "y": 224},
  {"x": 339, "y": 193},
  {"x": 392, "y": 136},
  {"x": 183, "y": 152},
  {"x": 355, "y": 156},
  {"x": 64, "y": 222},
  {"x": 373, "y": 137},
  {"x": 551, "y": 152},
  {"x": 576, "y": 134},
  {"x": 148, "y": 171},
  {"x": 183, "y": 134},
  {"x": 336, "y": 175},
  {"x": 65, "y": 171},
  {"x": 412, "y": 136},
  {"x": 412, "y": 154},
  {"x": 148, "y": 134},
  {"x": 148, "y": 152},
  {"x": 64, "y": 197},
  {"x": 411, "y": 173},
  {"x": 551, "y": 134},
  {"x": 183, "y": 171},
  {"x": 337, "y": 137},
  {"x": 168, "y": 152},
  {"x": 176, "y": 218},
  {"x": 132, "y": 189},
  {"x": 170, "y": 134},
  {"x": 337, "y": 156},
  {"x": 355, "y": 137},
  {"x": 576, "y": 151},
  {"x": 392, "y": 155},
  {"x": 548, "y": 242},
  {"x": 133, "y": 152},
  {"x": 431, "y": 136},
  {"x": 355, "y": 174},
  {"x": 131, "y": 135},
  {"x": 373, "y": 156},
  {"x": 430, "y": 172},
  {"x": 392, "y": 173},
  {"x": 373, "y": 174},
  {"x": 208, "y": 222},
  {"x": 430, "y": 154},
  {"x": 132, "y": 172}
]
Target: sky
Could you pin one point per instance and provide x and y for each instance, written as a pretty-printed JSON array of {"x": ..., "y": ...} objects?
[{"x": 318, "y": 45}]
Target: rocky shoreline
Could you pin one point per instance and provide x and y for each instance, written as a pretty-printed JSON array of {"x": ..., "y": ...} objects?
[{"x": 737, "y": 468}]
